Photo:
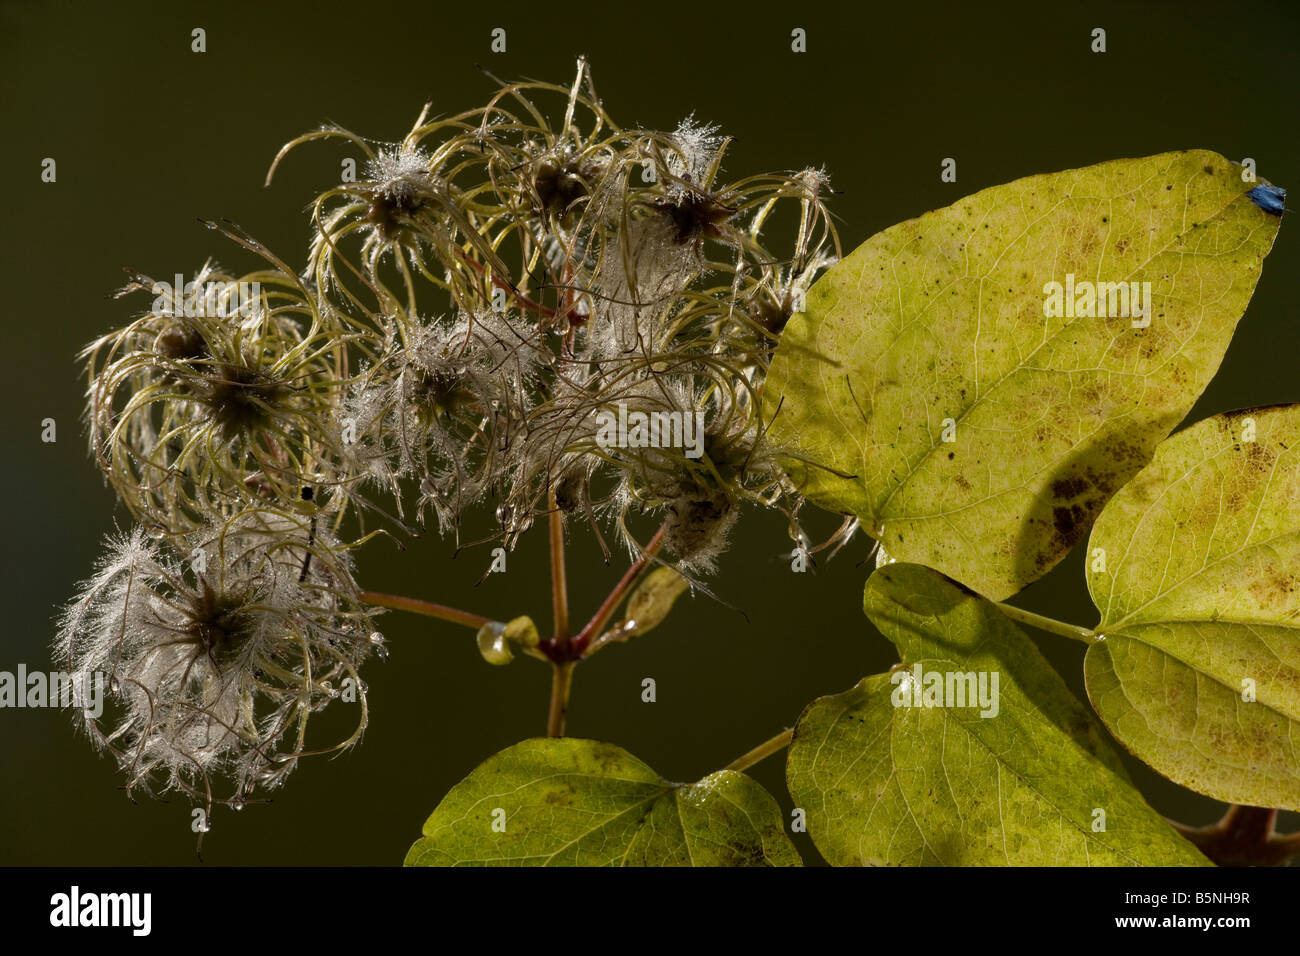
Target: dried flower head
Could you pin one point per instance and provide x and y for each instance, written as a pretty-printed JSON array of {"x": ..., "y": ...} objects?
[
  {"x": 217, "y": 657},
  {"x": 196, "y": 411}
]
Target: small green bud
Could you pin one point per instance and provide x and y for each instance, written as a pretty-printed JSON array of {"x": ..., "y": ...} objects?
[
  {"x": 492, "y": 643},
  {"x": 494, "y": 639},
  {"x": 523, "y": 631},
  {"x": 652, "y": 600}
]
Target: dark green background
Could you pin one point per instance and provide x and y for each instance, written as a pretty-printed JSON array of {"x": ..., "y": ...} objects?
[{"x": 148, "y": 136}]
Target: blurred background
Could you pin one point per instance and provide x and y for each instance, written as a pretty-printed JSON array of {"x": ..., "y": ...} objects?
[{"x": 148, "y": 136}]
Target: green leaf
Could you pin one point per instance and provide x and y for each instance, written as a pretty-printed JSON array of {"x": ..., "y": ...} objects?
[
  {"x": 570, "y": 802},
  {"x": 942, "y": 320},
  {"x": 1195, "y": 566},
  {"x": 943, "y": 785}
]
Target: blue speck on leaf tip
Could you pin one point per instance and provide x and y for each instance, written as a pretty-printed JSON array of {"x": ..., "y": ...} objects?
[{"x": 1268, "y": 198}]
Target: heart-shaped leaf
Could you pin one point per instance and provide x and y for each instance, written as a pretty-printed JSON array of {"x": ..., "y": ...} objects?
[
  {"x": 976, "y": 418},
  {"x": 972, "y": 753},
  {"x": 571, "y": 802},
  {"x": 1195, "y": 566}
]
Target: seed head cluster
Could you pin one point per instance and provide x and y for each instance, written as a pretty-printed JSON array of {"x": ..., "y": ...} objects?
[{"x": 477, "y": 299}]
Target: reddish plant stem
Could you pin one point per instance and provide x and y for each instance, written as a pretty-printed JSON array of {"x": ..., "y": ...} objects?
[
  {"x": 558, "y": 646},
  {"x": 559, "y": 579},
  {"x": 593, "y": 628},
  {"x": 528, "y": 303},
  {"x": 1244, "y": 836},
  {"x": 561, "y": 682},
  {"x": 427, "y": 608}
]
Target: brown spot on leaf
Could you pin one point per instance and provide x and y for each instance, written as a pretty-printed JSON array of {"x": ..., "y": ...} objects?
[
  {"x": 1067, "y": 488},
  {"x": 1069, "y": 522},
  {"x": 1273, "y": 590},
  {"x": 1258, "y": 457},
  {"x": 559, "y": 798}
]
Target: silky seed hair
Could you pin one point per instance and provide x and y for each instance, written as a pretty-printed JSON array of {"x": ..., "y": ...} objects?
[{"x": 216, "y": 657}]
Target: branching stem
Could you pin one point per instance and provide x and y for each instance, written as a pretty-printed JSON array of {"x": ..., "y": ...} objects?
[
  {"x": 589, "y": 636},
  {"x": 1244, "y": 836}
]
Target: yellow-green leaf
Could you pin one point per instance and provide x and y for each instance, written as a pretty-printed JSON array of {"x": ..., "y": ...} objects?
[
  {"x": 1033, "y": 783},
  {"x": 571, "y": 802},
  {"x": 936, "y": 329},
  {"x": 1195, "y": 566}
]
